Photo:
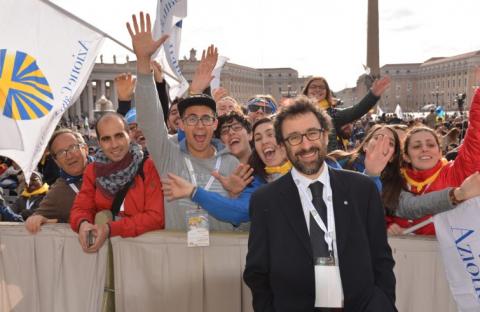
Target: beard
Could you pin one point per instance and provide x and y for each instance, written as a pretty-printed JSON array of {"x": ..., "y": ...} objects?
[{"x": 307, "y": 168}]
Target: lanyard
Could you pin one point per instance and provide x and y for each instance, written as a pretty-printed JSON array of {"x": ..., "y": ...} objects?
[
  {"x": 191, "y": 172},
  {"x": 74, "y": 188},
  {"x": 30, "y": 204},
  {"x": 314, "y": 213}
]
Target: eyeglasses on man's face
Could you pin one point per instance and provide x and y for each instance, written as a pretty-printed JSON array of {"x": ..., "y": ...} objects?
[
  {"x": 236, "y": 127},
  {"x": 297, "y": 138},
  {"x": 62, "y": 154},
  {"x": 192, "y": 120}
]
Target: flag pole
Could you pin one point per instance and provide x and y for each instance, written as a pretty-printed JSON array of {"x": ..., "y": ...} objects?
[{"x": 86, "y": 24}]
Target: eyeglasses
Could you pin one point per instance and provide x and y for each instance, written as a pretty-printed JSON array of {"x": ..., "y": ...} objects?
[
  {"x": 192, "y": 120},
  {"x": 236, "y": 127},
  {"x": 297, "y": 138},
  {"x": 254, "y": 107},
  {"x": 61, "y": 154},
  {"x": 317, "y": 87}
]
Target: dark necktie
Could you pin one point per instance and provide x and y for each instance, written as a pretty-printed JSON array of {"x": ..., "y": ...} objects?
[{"x": 317, "y": 236}]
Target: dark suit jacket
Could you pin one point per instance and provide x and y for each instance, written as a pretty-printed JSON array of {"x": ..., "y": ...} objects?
[{"x": 279, "y": 268}]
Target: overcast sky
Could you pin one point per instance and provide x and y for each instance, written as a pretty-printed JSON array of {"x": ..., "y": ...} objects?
[{"x": 315, "y": 37}]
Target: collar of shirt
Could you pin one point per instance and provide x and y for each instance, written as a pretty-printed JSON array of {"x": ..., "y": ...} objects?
[{"x": 303, "y": 183}]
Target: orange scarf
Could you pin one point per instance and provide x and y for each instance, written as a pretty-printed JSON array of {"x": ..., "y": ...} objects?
[{"x": 419, "y": 180}]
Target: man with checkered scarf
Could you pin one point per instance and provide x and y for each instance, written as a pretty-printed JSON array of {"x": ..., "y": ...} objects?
[{"x": 119, "y": 167}]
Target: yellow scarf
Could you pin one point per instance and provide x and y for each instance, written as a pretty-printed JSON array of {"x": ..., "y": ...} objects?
[
  {"x": 283, "y": 169},
  {"x": 419, "y": 185},
  {"x": 324, "y": 104},
  {"x": 38, "y": 191}
]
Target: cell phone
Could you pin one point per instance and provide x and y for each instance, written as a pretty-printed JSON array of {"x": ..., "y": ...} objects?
[{"x": 90, "y": 239}]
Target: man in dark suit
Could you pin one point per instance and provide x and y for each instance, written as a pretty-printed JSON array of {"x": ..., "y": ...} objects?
[{"x": 283, "y": 246}]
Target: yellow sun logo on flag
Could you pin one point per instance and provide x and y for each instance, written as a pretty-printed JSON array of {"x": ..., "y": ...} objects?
[{"x": 24, "y": 90}]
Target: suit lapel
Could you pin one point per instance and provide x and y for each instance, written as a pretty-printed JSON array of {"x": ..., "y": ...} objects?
[
  {"x": 341, "y": 209},
  {"x": 292, "y": 207}
]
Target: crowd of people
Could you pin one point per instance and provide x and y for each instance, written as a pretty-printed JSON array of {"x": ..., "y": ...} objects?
[{"x": 147, "y": 166}]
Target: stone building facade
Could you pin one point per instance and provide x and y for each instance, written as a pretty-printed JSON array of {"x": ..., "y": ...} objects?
[{"x": 437, "y": 81}]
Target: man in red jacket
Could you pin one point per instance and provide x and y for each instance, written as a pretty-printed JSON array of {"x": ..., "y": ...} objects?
[{"x": 119, "y": 166}]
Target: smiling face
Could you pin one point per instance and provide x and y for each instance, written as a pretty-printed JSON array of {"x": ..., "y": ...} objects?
[
  {"x": 113, "y": 138},
  {"x": 422, "y": 150},
  {"x": 75, "y": 160},
  {"x": 234, "y": 135},
  {"x": 317, "y": 90},
  {"x": 308, "y": 156},
  {"x": 198, "y": 136},
  {"x": 266, "y": 145}
]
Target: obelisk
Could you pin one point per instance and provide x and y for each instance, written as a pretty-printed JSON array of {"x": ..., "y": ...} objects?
[{"x": 372, "y": 41}]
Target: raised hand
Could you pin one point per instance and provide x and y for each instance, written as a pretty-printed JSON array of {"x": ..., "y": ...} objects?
[
  {"x": 143, "y": 43},
  {"x": 377, "y": 154},
  {"x": 237, "y": 180},
  {"x": 219, "y": 93},
  {"x": 157, "y": 71},
  {"x": 175, "y": 187},
  {"x": 203, "y": 73},
  {"x": 380, "y": 85},
  {"x": 125, "y": 86}
]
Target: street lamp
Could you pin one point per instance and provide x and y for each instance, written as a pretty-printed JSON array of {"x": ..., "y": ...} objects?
[{"x": 436, "y": 93}]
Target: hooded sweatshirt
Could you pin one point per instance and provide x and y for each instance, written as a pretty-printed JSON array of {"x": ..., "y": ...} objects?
[{"x": 171, "y": 157}]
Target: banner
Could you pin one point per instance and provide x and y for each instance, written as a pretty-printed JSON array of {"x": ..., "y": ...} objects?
[
  {"x": 169, "y": 21},
  {"x": 458, "y": 233},
  {"x": 45, "y": 60},
  {"x": 217, "y": 71}
]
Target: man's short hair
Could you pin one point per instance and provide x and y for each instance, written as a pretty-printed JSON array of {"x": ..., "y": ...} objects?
[
  {"x": 61, "y": 131},
  {"x": 230, "y": 117},
  {"x": 301, "y": 106},
  {"x": 109, "y": 115}
]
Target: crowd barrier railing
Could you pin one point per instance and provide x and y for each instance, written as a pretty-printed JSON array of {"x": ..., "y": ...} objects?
[{"x": 158, "y": 272}]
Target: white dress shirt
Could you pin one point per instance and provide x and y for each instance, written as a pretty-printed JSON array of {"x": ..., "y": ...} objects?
[{"x": 303, "y": 183}]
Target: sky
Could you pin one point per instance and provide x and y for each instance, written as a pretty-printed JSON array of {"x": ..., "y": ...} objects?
[{"x": 315, "y": 37}]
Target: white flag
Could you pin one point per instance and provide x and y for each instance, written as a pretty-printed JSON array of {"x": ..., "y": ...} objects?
[
  {"x": 398, "y": 111},
  {"x": 45, "y": 60},
  {"x": 379, "y": 111},
  {"x": 458, "y": 233},
  {"x": 215, "y": 83},
  {"x": 170, "y": 14}
]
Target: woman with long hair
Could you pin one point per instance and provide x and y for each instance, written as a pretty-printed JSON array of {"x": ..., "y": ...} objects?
[
  {"x": 318, "y": 89},
  {"x": 425, "y": 169}
]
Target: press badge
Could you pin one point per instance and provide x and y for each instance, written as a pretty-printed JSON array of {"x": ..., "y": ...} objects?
[
  {"x": 328, "y": 285},
  {"x": 198, "y": 234}
]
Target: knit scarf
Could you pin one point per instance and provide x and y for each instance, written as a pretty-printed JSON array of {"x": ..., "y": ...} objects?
[
  {"x": 419, "y": 180},
  {"x": 283, "y": 169},
  {"x": 111, "y": 177},
  {"x": 39, "y": 191}
]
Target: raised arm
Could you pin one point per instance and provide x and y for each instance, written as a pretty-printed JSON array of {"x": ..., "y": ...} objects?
[
  {"x": 149, "y": 109},
  {"x": 356, "y": 111}
]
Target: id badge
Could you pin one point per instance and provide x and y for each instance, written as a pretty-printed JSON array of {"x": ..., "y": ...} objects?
[
  {"x": 198, "y": 229},
  {"x": 328, "y": 285}
]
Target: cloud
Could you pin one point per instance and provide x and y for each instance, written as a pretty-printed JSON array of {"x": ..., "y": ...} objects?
[
  {"x": 408, "y": 27},
  {"x": 400, "y": 13}
]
